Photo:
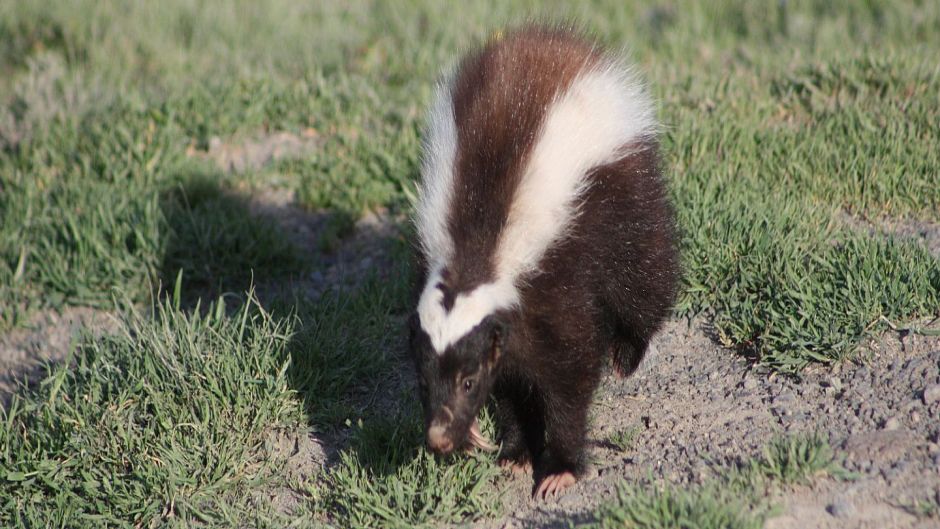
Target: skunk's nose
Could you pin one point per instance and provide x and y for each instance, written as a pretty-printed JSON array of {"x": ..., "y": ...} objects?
[{"x": 437, "y": 439}]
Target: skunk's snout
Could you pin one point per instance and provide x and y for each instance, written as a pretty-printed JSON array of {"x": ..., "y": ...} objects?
[{"x": 438, "y": 440}]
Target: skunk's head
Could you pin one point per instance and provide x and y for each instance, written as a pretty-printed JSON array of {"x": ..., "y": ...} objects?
[{"x": 453, "y": 384}]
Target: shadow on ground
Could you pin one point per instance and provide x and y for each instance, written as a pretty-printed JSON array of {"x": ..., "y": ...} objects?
[{"x": 218, "y": 245}]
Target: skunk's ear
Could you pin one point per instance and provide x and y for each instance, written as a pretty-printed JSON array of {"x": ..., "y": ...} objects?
[{"x": 499, "y": 331}]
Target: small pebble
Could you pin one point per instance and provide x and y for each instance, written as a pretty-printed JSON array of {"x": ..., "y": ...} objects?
[
  {"x": 915, "y": 416},
  {"x": 931, "y": 394},
  {"x": 891, "y": 424},
  {"x": 750, "y": 383},
  {"x": 840, "y": 508}
]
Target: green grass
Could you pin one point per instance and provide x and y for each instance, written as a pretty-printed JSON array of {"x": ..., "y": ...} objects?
[
  {"x": 928, "y": 508},
  {"x": 795, "y": 459},
  {"x": 774, "y": 127},
  {"x": 93, "y": 209},
  {"x": 344, "y": 344},
  {"x": 162, "y": 423},
  {"x": 706, "y": 507},
  {"x": 739, "y": 497},
  {"x": 387, "y": 479},
  {"x": 217, "y": 243},
  {"x": 623, "y": 440}
]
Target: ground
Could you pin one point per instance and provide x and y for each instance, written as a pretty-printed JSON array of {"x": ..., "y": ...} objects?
[{"x": 205, "y": 269}]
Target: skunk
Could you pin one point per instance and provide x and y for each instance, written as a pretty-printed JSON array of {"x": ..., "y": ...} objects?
[{"x": 545, "y": 241}]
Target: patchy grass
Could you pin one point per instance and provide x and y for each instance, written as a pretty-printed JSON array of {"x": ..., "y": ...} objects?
[
  {"x": 774, "y": 127},
  {"x": 706, "y": 507},
  {"x": 737, "y": 498},
  {"x": 218, "y": 245},
  {"x": 162, "y": 423},
  {"x": 761, "y": 190},
  {"x": 387, "y": 479},
  {"x": 94, "y": 210},
  {"x": 929, "y": 508},
  {"x": 623, "y": 440},
  {"x": 343, "y": 346},
  {"x": 794, "y": 460}
]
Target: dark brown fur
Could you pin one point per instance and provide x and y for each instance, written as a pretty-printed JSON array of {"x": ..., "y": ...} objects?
[
  {"x": 500, "y": 96},
  {"x": 605, "y": 288}
]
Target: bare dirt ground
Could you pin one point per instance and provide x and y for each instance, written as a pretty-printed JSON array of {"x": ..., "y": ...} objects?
[
  {"x": 694, "y": 404},
  {"x": 257, "y": 151}
]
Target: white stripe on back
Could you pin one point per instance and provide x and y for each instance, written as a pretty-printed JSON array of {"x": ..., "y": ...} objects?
[{"x": 604, "y": 110}]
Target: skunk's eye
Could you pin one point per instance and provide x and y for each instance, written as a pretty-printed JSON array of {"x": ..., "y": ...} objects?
[{"x": 468, "y": 385}]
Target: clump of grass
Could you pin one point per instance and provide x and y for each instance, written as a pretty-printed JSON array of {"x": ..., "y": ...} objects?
[
  {"x": 670, "y": 508},
  {"x": 925, "y": 508},
  {"x": 795, "y": 459},
  {"x": 736, "y": 498},
  {"x": 623, "y": 439},
  {"x": 387, "y": 479},
  {"x": 163, "y": 422}
]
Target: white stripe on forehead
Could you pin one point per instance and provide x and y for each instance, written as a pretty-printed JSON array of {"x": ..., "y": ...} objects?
[
  {"x": 443, "y": 327},
  {"x": 602, "y": 111}
]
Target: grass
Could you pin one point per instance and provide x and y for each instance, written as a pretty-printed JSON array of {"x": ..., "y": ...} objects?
[
  {"x": 737, "y": 498},
  {"x": 779, "y": 125},
  {"x": 775, "y": 130},
  {"x": 794, "y": 460},
  {"x": 704, "y": 507},
  {"x": 162, "y": 423},
  {"x": 343, "y": 345},
  {"x": 168, "y": 422},
  {"x": 623, "y": 440},
  {"x": 928, "y": 508},
  {"x": 387, "y": 479}
]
